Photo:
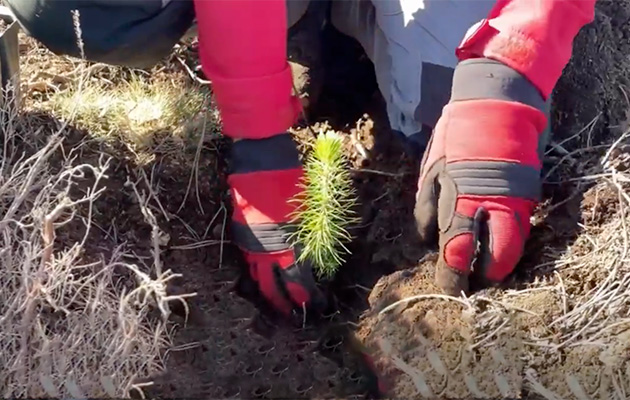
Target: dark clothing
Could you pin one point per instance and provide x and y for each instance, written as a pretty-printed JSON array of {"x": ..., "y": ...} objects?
[{"x": 134, "y": 33}]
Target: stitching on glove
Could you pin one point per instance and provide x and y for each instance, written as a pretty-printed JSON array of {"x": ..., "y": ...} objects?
[
  {"x": 445, "y": 262},
  {"x": 460, "y": 224},
  {"x": 496, "y": 178},
  {"x": 261, "y": 238}
]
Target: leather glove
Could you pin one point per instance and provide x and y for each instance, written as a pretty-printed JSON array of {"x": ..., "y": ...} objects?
[
  {"x": 480, "y": 177},
  {"x": 264, "y": 175}
]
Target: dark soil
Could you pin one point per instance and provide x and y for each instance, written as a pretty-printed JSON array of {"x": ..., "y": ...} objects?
[{"x": 231, "y": 355}]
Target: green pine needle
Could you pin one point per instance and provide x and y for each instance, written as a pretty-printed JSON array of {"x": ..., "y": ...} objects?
[{"x": 325, "y": 206}]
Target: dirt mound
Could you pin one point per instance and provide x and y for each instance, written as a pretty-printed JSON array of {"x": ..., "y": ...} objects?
[
  {"x": 501, "y": 344},
  {"x": 429, "y": 344}
]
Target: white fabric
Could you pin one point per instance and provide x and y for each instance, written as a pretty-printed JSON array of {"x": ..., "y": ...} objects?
[
  {"x": 416, "y": 32},
  {"x": 399, "y": 36}
]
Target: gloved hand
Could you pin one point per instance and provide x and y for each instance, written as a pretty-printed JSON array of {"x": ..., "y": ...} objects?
[
  {"x": 480, "y": 177},
  {"x": 264, "y": 175}
]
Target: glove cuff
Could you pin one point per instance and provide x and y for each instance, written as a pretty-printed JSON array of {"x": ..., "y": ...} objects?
[
  {"x": 494, "y": 114},
  {"x": 483, "y": 78},
  {"x": 256, "y": 108},
  {"x": 265, "y": 176}
]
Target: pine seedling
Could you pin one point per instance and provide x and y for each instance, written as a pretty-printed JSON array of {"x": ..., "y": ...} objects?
[{"x": 325, "y": 206}]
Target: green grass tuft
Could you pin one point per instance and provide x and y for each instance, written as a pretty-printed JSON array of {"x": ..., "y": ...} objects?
[{"x": 325, "y": 206}]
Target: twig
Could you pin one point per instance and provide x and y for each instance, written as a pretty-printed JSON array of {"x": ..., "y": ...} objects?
[
  {"x": 48, "y": 233},
  {"x": 590, "y": 125},
  {"x": 39, "y": 160},
  {"x": 187, "y": 227},
  {"x": 489, "y": 335},
  {"x": 198, "y": 245},
  {"x": 581, "y": 178},
  {"x": 616, "y": 143},
  {"x": 376, "y": 172},
  {"x": 205, "y": 233},
  {"x": 564, "y": 292},
  {"x": 195, "y": 171},
  {"x": 423, "y": 297},
  {"x": 76, "y": 21},
  {"x": 155, "y": 230},
  {"x": 152, "y": 193},
  {"x": 192, "y": 75},
  {"x": 568, "y": 156},
  {"x": 222, "y": 235},
  {"x": 357, "y": 144}
]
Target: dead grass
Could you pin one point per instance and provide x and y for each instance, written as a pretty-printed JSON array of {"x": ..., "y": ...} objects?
[
  {"x": 148, "y": 115},
  {"x": 134, "y": 110},
  {"x": 68, "y": 327},
  {"x": 157, "y": 111}
]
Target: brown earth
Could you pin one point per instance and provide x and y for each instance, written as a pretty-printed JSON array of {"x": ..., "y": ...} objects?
[{"x": 226, "y": 347}]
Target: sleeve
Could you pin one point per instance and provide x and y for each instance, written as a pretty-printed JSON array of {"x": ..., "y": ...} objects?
[
  {"x": 243, "y": 50},
  {"x": 533, "y": 37}
]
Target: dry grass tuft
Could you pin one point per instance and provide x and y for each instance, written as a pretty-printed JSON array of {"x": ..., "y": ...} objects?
[
  {"x": 141, "y": 113},
  {"x": 149, "y": 112},
  {"x": 579, "y": 321},
  {"x": 68, "y": 325}
]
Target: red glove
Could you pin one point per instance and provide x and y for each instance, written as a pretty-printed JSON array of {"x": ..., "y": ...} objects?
[
  {"x": 243, "y": 49},
  {"x": 265, "y": 175},
  {"x": 479, "y": 179}
]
